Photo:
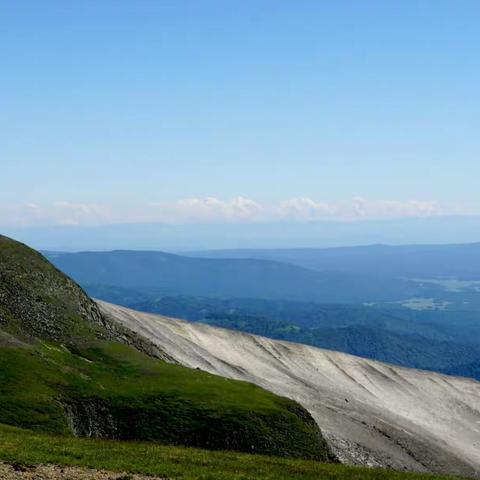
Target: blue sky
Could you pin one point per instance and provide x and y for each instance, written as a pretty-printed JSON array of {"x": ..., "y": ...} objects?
[{"x": 192, "y": 111}]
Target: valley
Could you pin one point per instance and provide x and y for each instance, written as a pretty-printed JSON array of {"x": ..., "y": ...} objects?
[{"x": 84, "y": 371}]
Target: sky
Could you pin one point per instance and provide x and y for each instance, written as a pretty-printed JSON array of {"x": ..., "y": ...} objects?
[{"x": 190, "y": 112}]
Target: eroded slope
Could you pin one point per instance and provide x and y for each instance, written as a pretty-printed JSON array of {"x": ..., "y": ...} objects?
[{"x": 372, "y": 413}]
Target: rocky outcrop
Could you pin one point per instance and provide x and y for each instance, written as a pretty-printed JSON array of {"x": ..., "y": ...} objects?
[
  {"x": 371, "y": 413},
  {"x": 38, "y": 301},
  {"x": 90, "y": 417},
  {"x": 159, "y": 419}
]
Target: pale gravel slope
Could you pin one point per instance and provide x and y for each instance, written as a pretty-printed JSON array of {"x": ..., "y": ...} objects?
[{"x": 372, "y": 413}]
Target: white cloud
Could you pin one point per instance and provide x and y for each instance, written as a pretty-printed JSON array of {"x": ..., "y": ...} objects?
[
  {"x": 58, "y": 213},
  {"x": 305, "y": 208},
  {"x": 207, "y": 209},
  {"x": 357, "y": 208},
  {"x": 67, "y": 213},
  {"x": 212, "y": 209}
]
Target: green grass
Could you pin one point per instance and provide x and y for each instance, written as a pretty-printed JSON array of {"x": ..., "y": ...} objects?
[
  {"x": 61, "y": 372},
  {"x": 26, "y": 447},
  {"x": 133, "y": 396}
]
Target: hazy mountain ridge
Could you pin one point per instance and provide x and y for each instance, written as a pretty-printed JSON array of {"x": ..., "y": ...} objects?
[
  {"x": 249, "y": 278},
  {"x": 410, "y": 261}
]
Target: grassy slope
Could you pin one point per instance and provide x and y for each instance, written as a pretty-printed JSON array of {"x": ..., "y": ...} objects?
[
  {"x": 148, "y": 399},
  {"x": 25, "y": 447},
  {"x": 60, "y": 370}
]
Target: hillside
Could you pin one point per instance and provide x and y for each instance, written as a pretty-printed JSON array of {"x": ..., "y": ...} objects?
[
  {"x": 411, "y": 261},
  {"x": 169, "y": 274},
  {"x": 371, "y": 413},
  {"x": 28, "y": 455},
  {"x": 37, "y": 301},
  {"x": 409, "y": 350},
  {"x": 444, "y": 341},
  {"x": 63, "y": 371}
]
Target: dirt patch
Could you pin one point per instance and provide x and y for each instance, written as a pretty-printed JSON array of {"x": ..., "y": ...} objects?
[{"x": 54, "y": 472}]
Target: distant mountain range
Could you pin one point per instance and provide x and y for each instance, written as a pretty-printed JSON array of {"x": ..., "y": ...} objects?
[
  {"x": 461, "y": 261},
  {"x": 172, "y": 274}
]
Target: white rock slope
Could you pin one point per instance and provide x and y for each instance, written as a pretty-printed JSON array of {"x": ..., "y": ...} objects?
[{"x": 372, "y": 413}]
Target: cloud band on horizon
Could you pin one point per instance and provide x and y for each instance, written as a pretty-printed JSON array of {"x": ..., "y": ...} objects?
[{"x": 212, "y": 209}]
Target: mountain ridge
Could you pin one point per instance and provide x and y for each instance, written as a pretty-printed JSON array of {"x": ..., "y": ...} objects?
[
  {"x": 371, "y": 413},
  {"x": 413, "y": 260},
  {"x": 249, "y": 278}
]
